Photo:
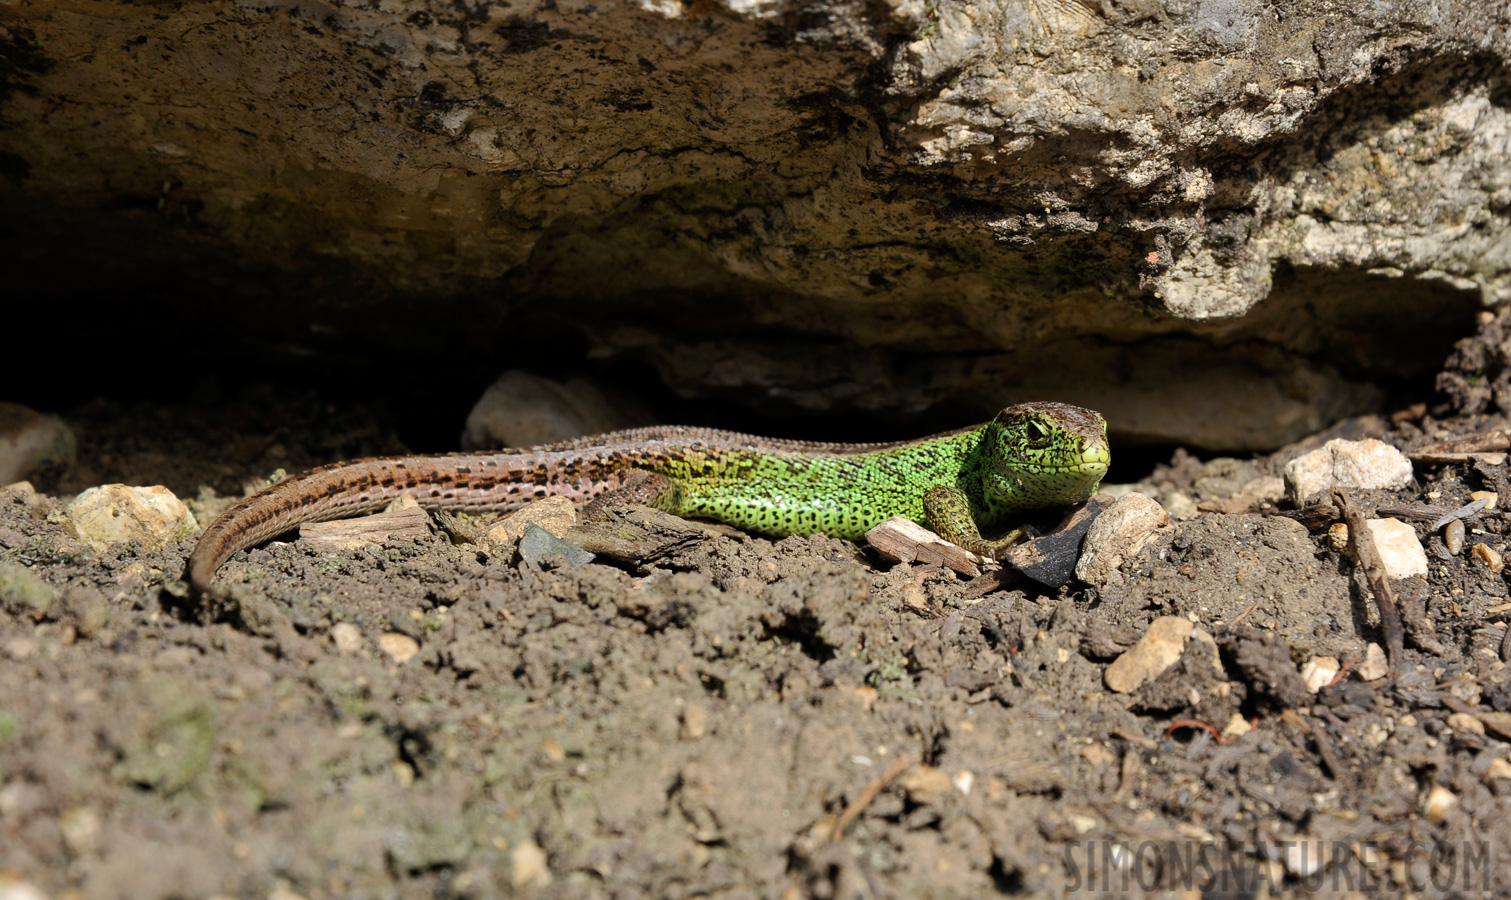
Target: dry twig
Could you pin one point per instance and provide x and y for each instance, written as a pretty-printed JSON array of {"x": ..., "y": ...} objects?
[
  {"x": 867, "y": 795},
  {"x": 1363, "y": 545}
]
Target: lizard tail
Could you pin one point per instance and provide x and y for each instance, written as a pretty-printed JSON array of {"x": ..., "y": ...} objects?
[{"x": 449, "y": 481}]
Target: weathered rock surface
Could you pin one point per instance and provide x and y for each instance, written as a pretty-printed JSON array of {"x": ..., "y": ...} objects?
[
  {"x": 1156, "y": 650},
  {"x": 1368, "y": 464},
  {"x": 112, "y": 513},
  {"x": 1398, "y": 548},
  {"x": 1129, "y": 525},
  {"x": 1215, "y": 221}
]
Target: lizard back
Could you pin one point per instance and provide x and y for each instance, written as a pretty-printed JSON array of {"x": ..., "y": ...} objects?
[{"x": 706, "y": 460}]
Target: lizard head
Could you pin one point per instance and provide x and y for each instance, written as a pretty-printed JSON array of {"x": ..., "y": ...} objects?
[{"x": 1044, "y": 454}]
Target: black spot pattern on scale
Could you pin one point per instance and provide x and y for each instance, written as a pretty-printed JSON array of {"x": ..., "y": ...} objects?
[{"x": 764, "y": 485}]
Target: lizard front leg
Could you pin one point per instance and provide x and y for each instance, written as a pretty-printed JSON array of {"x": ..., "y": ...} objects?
[
  {"x": 949, "y": 512},
  {"x": 637, "y": 487}
]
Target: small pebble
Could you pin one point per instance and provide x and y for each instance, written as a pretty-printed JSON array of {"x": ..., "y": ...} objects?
[
  {"x": 1155, "y": 652},
  {"x": 1180, "y": 505},
  {"x": 1304, "y": 858},
  {"x": 963, "y": 781},
  {"x": 1453, "y": 536},
  {"x": 1082, "y": 823},
  {"x": 1337, "y": 536},
  {"x": 926, "y": 784},
  {"x": 528, "y": 862},
  {"x": 20, "y": 648},
  {"x": 401, "y": 648},
  {"x": 1489, "y": 557},
  {"x": 1500, "y": 770},
  {"x": 1098, "y": 755},
  {"x": 1375, "y": 665},
  {"x": 347, "y": 637},
  {"x": 112, "y": 513},
  {"x": 1485, "y": 495},
  {"x": 23, "y": 491},
  {"x": 694, "y": 721},
  {"x": 80, "y": 828},
  {"x": 1319, "y": 672},
  {"x": 1237, "y": 727},
  {"x": 1400, "y": 552},
  {"x": 1439, "y": 803},
  {"x": 1463, "y": 723}
]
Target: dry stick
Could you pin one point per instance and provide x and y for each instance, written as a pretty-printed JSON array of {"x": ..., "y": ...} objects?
[
  {"x": 1374, "y": 571},
  {"x": 859, "y": 804}
]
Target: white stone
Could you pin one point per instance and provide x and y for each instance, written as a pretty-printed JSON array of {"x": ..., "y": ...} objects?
[
  {"x": 1396, "y": 543},
  {"x": 1464, "y": 723},
  {"x": 1119, "y": 534},
  {"x": 1237, "y": 727},
  {"x": 1155, "y": 652},
  {"x": 1306, "y": 857},
  {"x": 347, "y": 637},
  {"x": 401, "y": 648},
  {"x": 105, "y": 515},
  {"x": 528, "y": 862},
  {"x": 1368, "y": 464},
  {"x": 1438, "y": 804},
  {"x": 1319, "y": 672},
  {"x": 80, "y": 828},
  {"x": 1375, "y": 665}
]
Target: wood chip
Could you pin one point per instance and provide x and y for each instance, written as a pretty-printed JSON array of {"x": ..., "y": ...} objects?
[
  {"x": 1489, "y": 459},
  {"x": 1463, "y": 512},
  {"x": 903, "y": 540},
  {"x": 1465, "y": 446},
  {"x": 638, "y": 535},
  {"x": 345, "y": 534}
]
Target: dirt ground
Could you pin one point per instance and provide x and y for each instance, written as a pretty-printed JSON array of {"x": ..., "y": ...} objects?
[{"x": 747, "y": 718}]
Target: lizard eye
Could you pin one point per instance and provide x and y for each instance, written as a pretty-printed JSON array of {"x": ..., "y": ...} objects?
[{"x": 1037, "y": 435}]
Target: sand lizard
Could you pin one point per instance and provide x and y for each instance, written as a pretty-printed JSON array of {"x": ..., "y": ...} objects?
[{"x": 1030, "y": 456}]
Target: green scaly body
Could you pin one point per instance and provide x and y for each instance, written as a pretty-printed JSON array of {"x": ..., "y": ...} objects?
[
  {"x": 841, "y": 496},
  {"x": 1031, "y": 456}
]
